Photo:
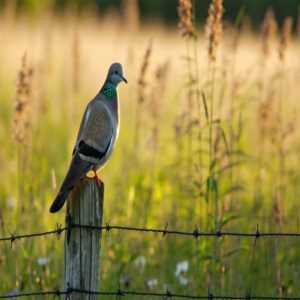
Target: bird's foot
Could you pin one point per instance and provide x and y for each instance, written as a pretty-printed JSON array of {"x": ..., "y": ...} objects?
[
  {"x": 96, "y": 178},
  {"x": 85, "y": 178}
]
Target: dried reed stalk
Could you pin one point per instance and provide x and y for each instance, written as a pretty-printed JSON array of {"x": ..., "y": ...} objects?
[
  {"x": 214, "y": 27},
  {"x": 22, "y": 108},
  {"x": 285, "y": 37},
  {"x": 185, "y": 23},
  {"x": 269, "y": 30}
]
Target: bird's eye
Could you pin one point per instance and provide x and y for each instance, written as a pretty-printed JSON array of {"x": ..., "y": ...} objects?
[{"x": 116, "y": 72}]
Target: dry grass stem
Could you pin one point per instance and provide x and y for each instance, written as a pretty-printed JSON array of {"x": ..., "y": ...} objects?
[
  {"x": 160, "y": 77},
  {"x": 214, "y": 27},
  {"x": 53, "y": 179},
  {"x": 277, "y": 209},
  {"x": 158, "y": 91},
  {"x": 185, "y": 23},
  {"x": 285, "y": 37},
  {"x": 141, "y": 91},
  {"x": 266, "y": 112},
  {"x": 269, "y": 30},
  {"x": 22, "y": 115},
  {"x": 142, "y": 83}
]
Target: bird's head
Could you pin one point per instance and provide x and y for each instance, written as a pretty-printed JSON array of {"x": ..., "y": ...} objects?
[{"x": 115, "y": 74}]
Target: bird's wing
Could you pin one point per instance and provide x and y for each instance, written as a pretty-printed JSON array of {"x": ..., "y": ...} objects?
[
  {"x": 83, "y": 121},
  {"x": 97, "y": 133}
]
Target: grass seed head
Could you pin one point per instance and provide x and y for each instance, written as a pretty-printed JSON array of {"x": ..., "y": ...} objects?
[
  {"x": 214, "y": 27},
  {"x": 185, "y": 24},
  {"x": 142, "y": 83},
  {"x": 158, "y": 90},
  {"x": 22, "y": 106},
  {"x": 269, "y": 30},
  {"x": 285, "y": 37}
]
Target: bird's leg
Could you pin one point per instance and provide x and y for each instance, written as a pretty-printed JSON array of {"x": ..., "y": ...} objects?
[{"x": 96, "y": 178}]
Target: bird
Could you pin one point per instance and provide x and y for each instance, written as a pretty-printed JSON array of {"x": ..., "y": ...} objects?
[{"x": 96, "y": 137}]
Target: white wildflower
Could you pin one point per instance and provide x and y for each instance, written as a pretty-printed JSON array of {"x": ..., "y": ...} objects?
[
  {"x": 182, "y": 280},
  {"x": 181, "y": 267},
  {"x": 151, "y": 283},
  {"x": 43, "y": 261},
  {"x": 140, "y": 262},
  {"x": 11, "y": 202}
]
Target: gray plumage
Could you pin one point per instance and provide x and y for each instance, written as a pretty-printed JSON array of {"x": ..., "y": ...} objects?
[{"x": 97, "y": 135}]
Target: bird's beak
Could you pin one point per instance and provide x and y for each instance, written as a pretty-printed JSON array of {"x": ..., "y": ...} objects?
[{"x": 124, "y": 79}]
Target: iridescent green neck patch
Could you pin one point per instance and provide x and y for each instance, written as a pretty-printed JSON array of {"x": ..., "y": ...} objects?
[{"x": 109, "y": 90}]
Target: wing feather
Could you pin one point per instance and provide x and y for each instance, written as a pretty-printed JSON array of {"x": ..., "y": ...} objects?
[{"x": 98, "y": 129}]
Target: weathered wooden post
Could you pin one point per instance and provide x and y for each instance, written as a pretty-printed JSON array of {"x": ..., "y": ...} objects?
[{"x": 82, "y": 245}]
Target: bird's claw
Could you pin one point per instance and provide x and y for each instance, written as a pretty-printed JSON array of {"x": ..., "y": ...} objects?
[{"x": 96, "y": 178}]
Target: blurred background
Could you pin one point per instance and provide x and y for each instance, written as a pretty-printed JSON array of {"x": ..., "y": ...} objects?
[
  {"x": 209, "y": 138},
  {"x": 148, "y": 9}
]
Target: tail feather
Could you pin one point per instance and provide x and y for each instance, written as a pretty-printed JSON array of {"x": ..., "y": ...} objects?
[
  {"x": 59, "y": 201},
  {"x": 78, "y": 168}
]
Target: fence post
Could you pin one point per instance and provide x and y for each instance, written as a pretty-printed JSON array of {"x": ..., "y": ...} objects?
[{"x": 82, "y": 246}]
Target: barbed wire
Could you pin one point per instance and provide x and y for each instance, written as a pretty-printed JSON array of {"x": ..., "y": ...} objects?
[
  {"x": 193, "y": 233},
  {"x": 167, "y": 295}
]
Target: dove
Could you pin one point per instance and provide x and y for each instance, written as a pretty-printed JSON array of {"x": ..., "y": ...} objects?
[{"x": 96, "y": 137}]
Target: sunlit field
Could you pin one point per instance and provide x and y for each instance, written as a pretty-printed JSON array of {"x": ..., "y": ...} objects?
[{"x": 204, "y": 144}]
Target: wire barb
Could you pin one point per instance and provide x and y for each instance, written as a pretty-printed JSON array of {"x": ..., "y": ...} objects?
[
  {"x": 165, "y": 230},
  {"x": 12, "y": 239},
  {"x": 59, "y": 230},
  {"x": 196, "y": 232},
  {"x": 107, "y": 227},
  {"x": 257, "y": 235},
  {"x": 168, "y": 294}
]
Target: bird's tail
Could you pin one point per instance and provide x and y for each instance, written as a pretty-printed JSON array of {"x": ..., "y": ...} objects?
[
  {"x": 59, "y": 201},
  {"x": 78, "y": 168}
]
